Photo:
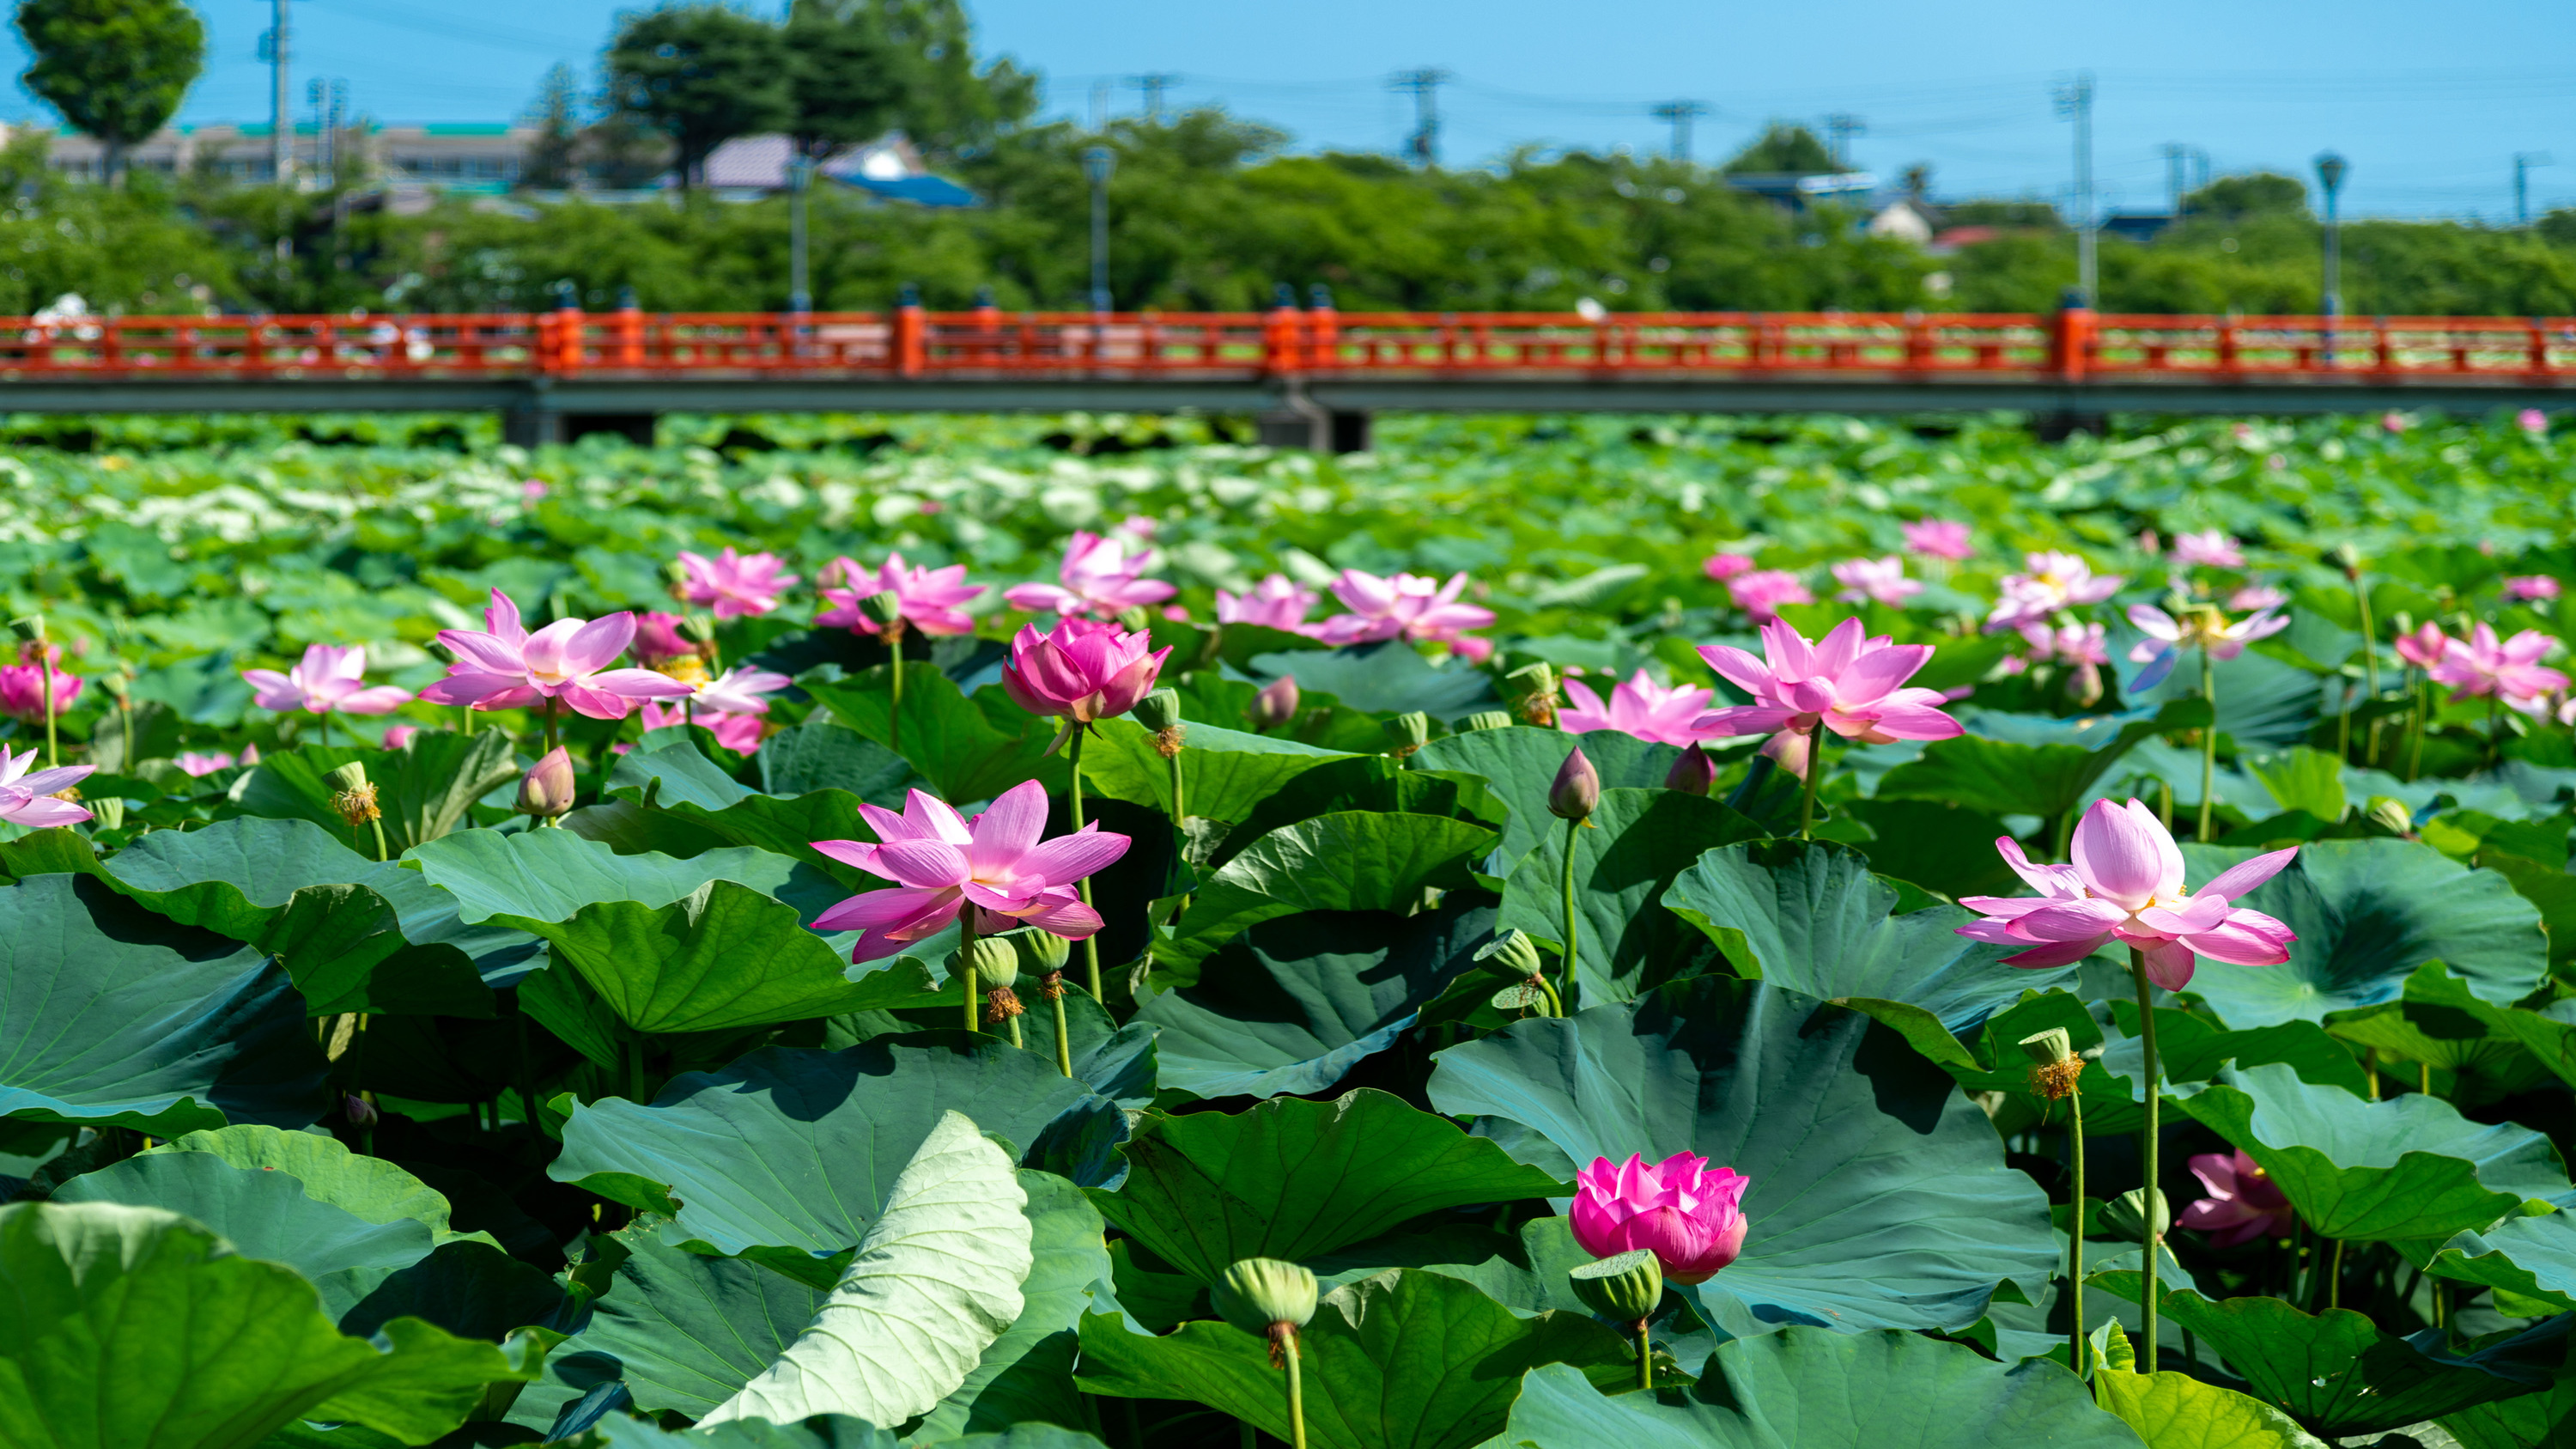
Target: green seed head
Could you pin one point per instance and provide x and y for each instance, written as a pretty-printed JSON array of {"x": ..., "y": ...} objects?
[
  {"x": 1160, "y": 710},
  {"x": 350, "y": 776},
  {"x": 1408, "y": 732},
  {"x": 1041, "y": 951},
  {"x": 2049, "y": 1047},
  {"x": 1511, "y": 954},
  {"x": 1258, "y": 1293},
  {"x": 1491, "y": 719},
  {"x": 1624, "y": 1289},
  {"x": 996, "y": 961},
  {"x": 882, "y": 609}
]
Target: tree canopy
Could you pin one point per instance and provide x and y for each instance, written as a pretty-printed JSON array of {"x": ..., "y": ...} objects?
[
  {"x": 701, "y": 74},
  {"x": 115, "y": 69},
  {"x": 1783, "y": 147}
]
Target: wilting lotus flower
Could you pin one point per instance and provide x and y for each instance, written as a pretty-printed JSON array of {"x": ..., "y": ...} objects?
[
  {"x": 1274, "y": 603},
  {"x": 2531, "y": 586},
  {"x": 2126, "y": 884},
  {"x": 328, "y": 679},
  {"x": 1086, "y": 670},
  {"x": 199, "y": 766},
  {"x": 2481, "y": 667},
  {"x": 1762, "y": 592},
  {"x": 927, "y": 599},
  {"x": 1407, "y": 606},
  {"x": 1842, "y": 682},
  {"x": 1881, "y": 579},
  {"x": 733, "y": 584},
  {"x": 1640, "y": 707},
  {"x": 2243, "y": 1203},
  {"x": 27, "y": 799},
  {"x": 1099, "y": 579},
  {"x": 1724, "y": 566},
  {"x": 2055, "y": 582},
  {"x": 1690, "y": 1218},
  {"x": 22, "y": 690},
  {"x": 2425, "y": 647},
  {"x": 1938, "y": 538},
  {"x": 2200, "y": 628},
  {"x": 941, "y": 862},
  {"x": 2209, "y": 547},
  {"x": 506, "y": 667}
]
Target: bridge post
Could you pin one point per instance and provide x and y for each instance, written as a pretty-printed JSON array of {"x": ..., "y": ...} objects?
[
  {"x": 1283, "y": 344},
  {"x": 630, "y": 332},
  {"x": 2071, "y": 331},
  {"x": 911, "y": 334}
]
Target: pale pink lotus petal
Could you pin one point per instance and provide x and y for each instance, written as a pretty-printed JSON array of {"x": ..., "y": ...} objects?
[
  {"x": 2155, "y": 623},
  {"x": 1008, "y": 827},
  {"x": 39, "y": 812},
  {"x": 2115, "y": 858},
  {"x": 2055, "y": 953},
  {"x": 850, "y": 852},
  {"x": 1071, "y": 857},
  {"x": 2069, "y": 920},
  {"x": 272, "y": 690},
  {"x": 1743, "y": 719},
  {"x": 1740, "y": 668},
  {"x": 55, "y": 780},
  {"x": 595, "y": 703},
  {"x": 638, "y": 684},
  {"x": 2169, "y": 964},
  {"x": 1063, "y": 916},
  {"x": 2245, "y": 938},
  {"x": 924, "y": 863},
  {"x": 2185, "y": 917},
  {"x": 2242, "y": 877},
  {"x": 382, "y": 699}
]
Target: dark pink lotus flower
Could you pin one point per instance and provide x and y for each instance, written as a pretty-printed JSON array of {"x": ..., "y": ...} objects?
[
  {"x": 1843, "y": 682},
  {"x": 397, "y": 736},
  {"x": 2425, "y": 647},
  {"x": 733, "y": 584},
  {"x": 2529, "y": 587},
  {"x": 1276, "y": 602},
  {"x": 942, "y": 862},
  {"x": 328, "y": 679},
  {"x": 928, "y": 599},
  {"x": 1690, "y": 1218},
  {"x": 2243, "y": 1203},
  {"x": 1762, "y": 592},
  {"x": 22, "y": 690},
  {"x": 1086, "y": 670},
  {"x": 1640, "y": 707},
  {"x": 28, "y": 798},
  {"x": 739, "y": 733},
  {"x": 1099, "y": 578},
  {"x": 1724, "y": 566},
  {"x": 506, "y": 667},
  {"x": 657, "y": 638},
  {"x": 1407, "y": 606}
]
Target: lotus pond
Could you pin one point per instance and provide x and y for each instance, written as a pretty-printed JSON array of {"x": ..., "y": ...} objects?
[{"x": 1081, "y": 932}]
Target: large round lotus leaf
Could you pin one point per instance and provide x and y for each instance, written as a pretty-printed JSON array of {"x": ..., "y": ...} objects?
[
  {"x": 2532, "y": 1256},
  {"x": 1350, "y": 860},
  {"x": 826, "y": 1431},
  {"x": 2367, "y": 913},
  {"x": 788, "y": 1155},
  {"x": 370, "y": 1187},
  {"x": 1224, "y": 773},
  {"x": 1638, "y": 842},
  {"x": 424, "y": 789},
  {"x": 1803, "y": 1388},
  {"x": 110, "y": 1014},
  {"x": 1521, "y": 762},
  {"x": 2338, "y": 1374},
  {"x": 1879, "y": 1195}
]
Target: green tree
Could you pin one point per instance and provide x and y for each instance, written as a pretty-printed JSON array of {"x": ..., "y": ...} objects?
[
  {"x": 850, "y": 76},
  {"x": 1783, "y": 147},
  {"x": 701, "y": 74},
  {"x": 2255, "y": 193},
  {"x": 954, "y": 107},
  {"x": 115, "y": 69},
  {"x": 553, "y": 163}
]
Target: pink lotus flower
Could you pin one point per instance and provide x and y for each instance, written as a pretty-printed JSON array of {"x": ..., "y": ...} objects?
[
  {"x": 1086, "y": 670},
  {"x": 2532, "y": 420},
  {"x": 941, "y": 863},
  {"x": 199, "y": 766},
  {"x": 2126, "y": 885},
  {"x": 927, "y": 599},
  {"x": 506, "y": 667},
  {"x": 2255, "y": 598},
  {"x": 2068, "y": 644},
  {"x": 2055, "y": 582},
  {"x": 1938, "y": 538},
  {"x": 2531, "y": 586},
  {"x": 1762, "y": 592},
  {"x": 328, "y": 679},
  {"x": 739, "y": 691},
  {"x": 2200, "y": 628},
  {"x": 1881, "y": 579},
  {"x": 22, "y": 690},
  {"x": 2149, "y": 543},
  {"x": 28, "y": 799},
  {"x": 2243, "y": 1203},
  {"x": 1472, "y": 649},
  {"x": 2425, "y": 647},
  {"x": 657, "y": 639},
  {"x": 739, "y": 733},
  {"x": 2209, "y": 547},
  {"x": 398, "y": 736},
  {"x": 1274, "y": 603},
  {"x": 1407, "y": 606},
  {"x": 1099, "y": 579},
  {"x": 1724, "y": 566},
  {"x": 1842, "y": 682},
  {"x": 1690, "y": 1218},
  {"x": 2481, "y": 667},
  {"x": 733, "y": 584},
  {"x": 2393, "y": 422},
  {"x": 532, "y": 490},
  {"x": 1640, "y": 707}
]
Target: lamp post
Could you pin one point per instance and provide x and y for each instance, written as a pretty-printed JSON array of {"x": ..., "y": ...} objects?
[
  {"x": 2330, "y": 170},
  {"x": 1097, "y": 164},
  {"x": 800, "y": 184}
]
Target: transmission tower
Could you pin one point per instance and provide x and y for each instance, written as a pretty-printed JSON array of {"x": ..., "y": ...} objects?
[
  {"x": 1680, "y": 114},
  {"x": 1424, "y": 83},
  {"x": 1153, "y": 84},
  {"x": 2523, "y": 161},
  {"x": 1842, "y": 126}
]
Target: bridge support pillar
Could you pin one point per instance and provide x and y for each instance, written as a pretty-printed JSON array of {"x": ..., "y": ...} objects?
[{"x": 531, "y": 424}]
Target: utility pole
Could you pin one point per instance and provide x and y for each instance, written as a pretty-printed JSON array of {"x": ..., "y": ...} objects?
[
  {"x": 281, "y": 134},
  {"x": 1099, "y": 107},
  {"x": 1680, "y": 114},
  {"x": 2523, "y": 161},
  {"x": 2075, "y": 101},
  {"x": 1424, "y": 83},
  {"x": 2330, "y": 173},
  {"x": 2177, "y": 156},
  {"x": 1097, "y": 164},
  {"x": 1842, "y": 126},
  {"x": 1153, "y": 84}
]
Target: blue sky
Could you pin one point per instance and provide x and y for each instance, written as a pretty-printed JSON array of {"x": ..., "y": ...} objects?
[{"x": 2430, "y": 104}]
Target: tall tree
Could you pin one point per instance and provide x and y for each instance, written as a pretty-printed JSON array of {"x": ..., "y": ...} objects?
[
  {"x": 851, "y": 77},
  {"x": 953, "y": 107},
  {"x": 701, "y": 74},
  {"x": 1783, "y": 148},
  {"x": 115, "y": 69},
  {"x": 551, "y": 163}
]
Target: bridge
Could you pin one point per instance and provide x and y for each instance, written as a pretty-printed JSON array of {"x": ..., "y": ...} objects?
[{"x": 1315, "y": 375}]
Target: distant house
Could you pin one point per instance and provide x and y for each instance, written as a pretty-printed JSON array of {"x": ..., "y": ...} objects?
[
  {"x": 1945, "y": 242},
  {"x": 2138, "y": 226},
  {"x": 1799, "y": 190},
  {"x": 1910, "y": 220}
]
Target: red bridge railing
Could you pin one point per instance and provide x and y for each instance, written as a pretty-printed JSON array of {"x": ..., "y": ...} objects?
[{"x": 990, "y": 344}]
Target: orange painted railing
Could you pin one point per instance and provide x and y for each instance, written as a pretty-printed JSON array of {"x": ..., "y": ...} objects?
[{"x": 987, "y": 343}]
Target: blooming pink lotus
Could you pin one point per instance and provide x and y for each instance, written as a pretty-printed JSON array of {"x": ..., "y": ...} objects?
[
  {"x": 2055, "y": 582},
  {"x": 2532, "y": 420},
  {"x": 506, "y": 667},
  {"x": 1842, "y": 682},
  {"x": 2243, "y": 1203},
  {"x": 1640, "y": 707},
  {"x": 733, "y": 584},
  {"x": 1938, "y": 538},
  {"x": 1762, "y": 592},
  {"x": 1086, "y": 670},
  {"x": 2126, "y": 885},
  {"x": 2425, "y": 647},
  {"x": 1690, "y": 1218},
  {"x": 1100, "y": 578},
  {"x": 941, "y": 862},
  {"x": 1724, "y": 566},
  {"x": 2068, "y": 643},
  {"x": 28, "y": 799},
  {"x": 657, "y": 639},
  {"x": 22, "y": 690},
  {"x": 2529, "y": 587},
  {"x": 926, "y": 598},
  {"x": 739, "y": 733},
  {"x": 199, "y": 766},
  {"x": 2393, "y": 422},
  {"x": 1276, "y": 602},
  {"x": 1881, "y": 579},
  {"x": 2481, "y": 667},
  {"x": 1407, "y": 606},
  {"x": 2209, "y": 547},
  {"x": 328, "y": 679},
  {"x": 2200, "y": 628}
]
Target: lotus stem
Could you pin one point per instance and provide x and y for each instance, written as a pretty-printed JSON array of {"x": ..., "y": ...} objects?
[
  {"x": 381, "y": 854},
  {"x": 1645, "y": 1358},
  {"x": 326, "y": 729},
  {"x": 1555, "y": 1003},
  {"x": 894, "y": 720},
  {"x": 2208, "y": 751},
  {"x": 2423, "y": 711},
  {"x": 1572, "y": 922},
  {"x": 45, "y": 682},
  {"x": 2334, "y": 1278},
  {"x": 1815, "y": 772},
  {"x": 2077, "y": 1343},
  {"x": 2147, "y": 1145},
  {"x": 1091, "y": 943},
  {"x": 2369, "y": 658},
  {"x": 1063, "y": 1038},
  {"x": 1296, "y": 1399},
  {"x": 966, "y": 965},
  {"x": 635, "y": 1071},
  {"x": 550, "y": 727}
]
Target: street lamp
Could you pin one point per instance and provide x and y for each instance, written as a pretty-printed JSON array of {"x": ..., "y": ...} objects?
[
  {"x": 2330, "y": 169},
  {"x": 800, "y": 186},
  {"x": 1097, "y": 163}
]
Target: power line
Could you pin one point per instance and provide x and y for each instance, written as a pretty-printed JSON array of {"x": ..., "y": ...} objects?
[
  {"x": 1153, "y": 84},
  {"x": 1842, "y": 126}
]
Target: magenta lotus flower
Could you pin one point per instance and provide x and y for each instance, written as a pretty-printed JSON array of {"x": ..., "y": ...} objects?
[
  {"x": 22, "y": 690},
  {"x": 733, "y": 584},
  {"x": 506, "y": 667},
  {"x": 328, "y": 679},
  {"x": 927, "y": 599},
  {"x": 1100, "y": 579},
  {"x": 2209, "y": 547},
  {"x": 2425, "y": 647},
  {"x": 1842, "y": 682},
  {"x": 28, "y": 799},
  {"x": 740, "y": 733},
  {"x": 1276, "y": 602},
  {"x": 2126, "y": 885},
  {"x": 1881, "y": 579},
  {"x": 2055, "y": 583},
  {"x": 1690, "y": 1218},
  {"x": 2529, "y": 587},
  {"x": 1407, "y": 606},
  {"x": 1724, "y": 566},
  {"x": 657, "y": 639},
  {"x": 199, "y": 766},
  {"x": 941, "y": 863},
  {"x": 1640, "y": 707},
  {"x": 1086, "y": 670},
  {"x": 2198, "y": 628},
  {"x": 1762, "y": 592},
  {"x": 2243, "y": 1203},
  {"x": 1938, "y": 538},
  {"x": 2480, "y": 667}
]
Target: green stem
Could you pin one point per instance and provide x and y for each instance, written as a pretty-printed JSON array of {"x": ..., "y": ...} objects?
[
  {"x": 1815, "y": 773},
  {"x": 1645, "y": 1358},
  {"x": 1090, "y": 943},
  {"x": 45, "y": 679},
  {"x": 1063, "y": 1038},
  {"x": 1555, "y": 1003},
  {"x": 2147, "y": 1145},
  {"x": 966, "y": 964},
  {"x": 550, "y": 727},
  {"x": 1573, "y": 923},
  {"x": 2208, "y": 748},
  {"x": 2369, "y": 635},
  {"x": 2334, "y": 1278},
  {"x": 1296, "y": 1400},
  {"x": 894, "y": 721},
  {"x": 2076, "y": 1341},
  {"x": 1015, "y": 1034},
  {"x": 326, "y": 729},
  {"x": 381, "y": 854},
  {"x": 2415, "y": 746}
]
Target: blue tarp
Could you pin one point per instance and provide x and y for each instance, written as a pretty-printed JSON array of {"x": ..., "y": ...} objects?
[{"x": 919, "y": 190}]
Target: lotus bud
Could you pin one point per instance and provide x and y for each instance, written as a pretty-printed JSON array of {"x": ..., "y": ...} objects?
[
  {"x": 353, "y": 794},
  {"x": 2392, "y": 816},
  {"x": 358, "y": 1109},
  {"x": 546, "y": 790},
  {"x": 1511, "y": 954},
  {"x": 1623, "y": 1289},
  {"x": 1407, "y": 733},
  {"x": 1488, "y": 719},
  {"x": 1532, "y": 690},
  {"x": 1266, "y": 1298},
  {"x": 2348, "y": 558},
  {"x": 1693, "y": 774},
  {"x": 1577, "y": 791},
  {"x": 1276, "y": 704},
  {"x": 885, "y": 610},
  {"x": 1160, "y": 712},
  {"x": 2126, "y": 1214},
  {"x": 2055, "y": 1068}
]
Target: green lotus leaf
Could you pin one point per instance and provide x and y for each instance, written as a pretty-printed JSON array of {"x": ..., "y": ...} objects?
[
  {"x": 2337, "y": 1374},
  {"x": 1026, "y": 1376},
  {"x": 2532, "y": 1256},
  {"x": 696, "y": 807},
  {"x": 2544, "y": 1417},
  {"x": 1347, "y": 861},
  {"x": 968, "y": 749},
  {"x": 2031, "y": 765},
  {"x": 549, "y": 875},
  {"x": 1383, "y": 679},
  {"x": 1119, "y": 1062},
  {"x": 1224, "y": 773},
  {"x": 1521, "y": 762},
  {"x": 371, "y": 1187},
  {"x": 424, "y": 789},
  {"x": 2177, "y": 1411},
  {"x": 825, "y": 1431},
  {"x": 822, "y": 755},
  {"x": 1641, "y": 841}
]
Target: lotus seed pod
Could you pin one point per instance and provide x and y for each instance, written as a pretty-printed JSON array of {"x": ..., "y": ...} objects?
[
  {"x": 882, "y": 609},
  {"x": 2055, "y": 1068},
  {"x": 350, "y": 776},
  {"x": 1041, "y": 951},
  {"x": 1408, "y": 732},
  {"x": 1532, "y": 690},
  {"x": 1577, "y": 791},
  {"x": 1135, "y": 620},
  {"x": 1693, "y": 774},
  {"x": 1258, "y": 1293},
  {"x": 2049, "y": 1047},
  {"x": 1159, "y": 710},
  {"x": 1624, "y": 1289},
  {"x": 2125, "y": 1215},
  {"x": 29, "y": 627},
  {"x": 1511, "y": 954},
  {"x": 1489, "y": 719},
  {"x": 2391, "y": 815},
  {"x": 996, "y": 960}
]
